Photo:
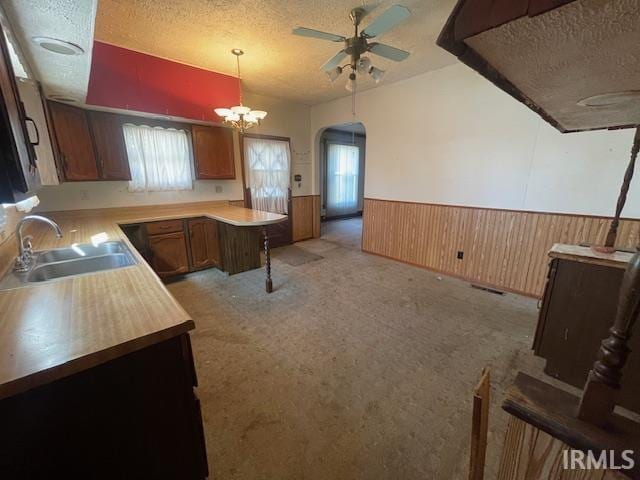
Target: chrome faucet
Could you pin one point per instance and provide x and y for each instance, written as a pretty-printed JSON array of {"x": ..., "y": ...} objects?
[{"x": 25, "y": 250}]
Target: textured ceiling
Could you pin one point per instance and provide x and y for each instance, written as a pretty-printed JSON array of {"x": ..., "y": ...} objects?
[
  {"x": 276, "y": 63},
  {"x": 69, "y": 20},
  {"x": 582, "y": 49}
]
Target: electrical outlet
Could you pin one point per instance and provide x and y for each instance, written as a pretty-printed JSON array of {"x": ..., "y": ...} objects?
[
  {"x": 218, "y": 188},
  {"x": 460, "y": 255},
  {"x": 84, "y": 194}
]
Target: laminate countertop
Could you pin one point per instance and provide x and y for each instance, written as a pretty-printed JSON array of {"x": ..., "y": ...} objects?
[
  {"x": 578, "y": 253},
  {"x": 58, "y": 328}
]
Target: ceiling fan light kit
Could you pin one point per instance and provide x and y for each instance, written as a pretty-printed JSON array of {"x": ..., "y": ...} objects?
[
  {"x": 240, "y": 117},
  {"x": 358, "y": 45},
  {"x": 351, "y": 83}
]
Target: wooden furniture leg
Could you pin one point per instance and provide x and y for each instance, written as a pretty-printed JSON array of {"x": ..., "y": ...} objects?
[
  {"x": 267, "y": 263},
  {"x": 603, "y": 384}
]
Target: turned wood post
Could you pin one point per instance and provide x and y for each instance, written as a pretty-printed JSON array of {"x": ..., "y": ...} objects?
[
  {"x": 267, "y": 263},
  {"x": 622, "y": 198},
  {"x": 600, "y": 393}
]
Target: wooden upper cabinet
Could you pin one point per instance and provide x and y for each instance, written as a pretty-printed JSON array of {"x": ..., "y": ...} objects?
[
  {"x": 204, "y": 243},
  {"x": 110, "y": 148},
  {"x": 75, "y": 146},
  {"x": 213, "y": 152}
]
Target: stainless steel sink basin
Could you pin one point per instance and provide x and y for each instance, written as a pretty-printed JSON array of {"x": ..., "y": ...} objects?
[
  {"x": 49, "y": 271},
  {"x": 80, "y": 251},
  {"x": 79, "y": 259}
]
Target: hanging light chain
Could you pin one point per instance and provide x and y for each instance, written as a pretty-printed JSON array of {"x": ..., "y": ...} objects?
[{"x": 239, "y": 77}]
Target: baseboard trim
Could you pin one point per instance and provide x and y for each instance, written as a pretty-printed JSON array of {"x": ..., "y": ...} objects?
[{"x": 457, "y": 277}]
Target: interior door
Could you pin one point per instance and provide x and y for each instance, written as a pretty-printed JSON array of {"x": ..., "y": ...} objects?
[{"x": 267, "y": 179}]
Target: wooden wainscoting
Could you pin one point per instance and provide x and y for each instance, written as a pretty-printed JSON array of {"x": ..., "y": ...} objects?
[
  {"x": 316, "y": 216},
  {"x": 505, "y": 249},
  {"x": 305, "y": 211},
  {"x": 236, "y": 203}
]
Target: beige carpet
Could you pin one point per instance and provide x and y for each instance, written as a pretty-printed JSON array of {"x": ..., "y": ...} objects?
[{"x": 356, "y": 367}]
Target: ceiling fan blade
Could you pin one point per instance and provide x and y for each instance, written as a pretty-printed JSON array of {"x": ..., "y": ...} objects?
[
  {"x": 335, "y": 61},
  {"x": 310, "y": 32},
  {"x": 387, "y": 51},
  {"x": 385, "y": 22}
]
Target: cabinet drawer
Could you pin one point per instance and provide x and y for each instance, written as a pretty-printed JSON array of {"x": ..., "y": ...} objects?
[{"x": 166, "y": 226}]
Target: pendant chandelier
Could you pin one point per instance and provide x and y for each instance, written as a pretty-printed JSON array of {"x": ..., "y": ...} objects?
[{"x": 239, "y": 116}]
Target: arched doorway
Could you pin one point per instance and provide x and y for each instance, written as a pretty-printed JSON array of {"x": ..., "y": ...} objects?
[{"x": 342, "y": 154}]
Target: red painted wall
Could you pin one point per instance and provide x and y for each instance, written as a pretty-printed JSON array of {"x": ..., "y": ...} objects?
[{"x": 125, "y": 79}]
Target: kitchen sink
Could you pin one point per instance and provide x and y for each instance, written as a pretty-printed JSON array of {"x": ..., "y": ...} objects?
[
  {"x": 79, "y": 259},
  {"x": 49, "y": 271},
  {"x": 81, "y": 251}
]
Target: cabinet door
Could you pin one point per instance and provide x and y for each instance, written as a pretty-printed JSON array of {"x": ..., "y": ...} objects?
[
  {"x": 111, "y": 151},
  {"x": 205, "y": 246},
  {"x": 198, "y": 241},
  {"x": 213, "y": 152},
  {"x": 213, "y": 242},
  {"x": 169, "y": 254},
  {"x": 74, "y": 141}
]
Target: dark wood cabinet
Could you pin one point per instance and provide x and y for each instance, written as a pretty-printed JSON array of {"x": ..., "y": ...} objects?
[
  {"x": 90, "y": 145},
  {"x": 240, "y": 247},
  {"x": 169, "y": 254},
  {"x": 171, "y": 249},
  {"x": 578, "y": 308},
  {"x": 136, "y": 416},
  {"x": 213, "y": 152},
  {"x": 110, "y": 149},
  {"x": 204, "y": 243},
  {"x": 281, "y": 233},
  {"x": 75, "y": 145},
  {"x": 19, "y": 178}
]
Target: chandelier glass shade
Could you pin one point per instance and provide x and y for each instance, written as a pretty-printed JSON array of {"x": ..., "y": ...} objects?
[{"x": 239, "y": 116}]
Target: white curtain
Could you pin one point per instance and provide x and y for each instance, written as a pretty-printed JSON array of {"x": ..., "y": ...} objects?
[
  {"x": 159, "y": 158},
  {"x": 267, "y": 170},
  {"x": 342, "y": 178}
]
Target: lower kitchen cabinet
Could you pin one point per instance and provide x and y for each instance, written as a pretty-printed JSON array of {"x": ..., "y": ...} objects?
[
  {"x": 204, "y": 243},
  {"x": 169, "y": 254},
  {"x": 136, "y": 416},
  {"x": 178, "y": 246}
]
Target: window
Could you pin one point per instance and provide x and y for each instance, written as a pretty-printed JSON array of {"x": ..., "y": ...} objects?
[
  {"x": 267, "y": 172},
  {"x": 342, "y": 178},
  {"x": 159, "y": 158}
]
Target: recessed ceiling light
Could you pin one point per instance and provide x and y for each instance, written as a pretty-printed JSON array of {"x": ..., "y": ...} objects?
[
  {"x": 610, "y": 99},
  {"x": 58, "y": 46},
  {"x": 63, "y": 98}
]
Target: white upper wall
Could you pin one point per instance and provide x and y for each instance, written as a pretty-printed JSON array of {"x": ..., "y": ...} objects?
[{"x": 451, "y": 137}]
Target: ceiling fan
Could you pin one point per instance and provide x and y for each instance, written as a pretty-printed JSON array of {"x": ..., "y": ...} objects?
[{"x": 356, "y": 46}]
